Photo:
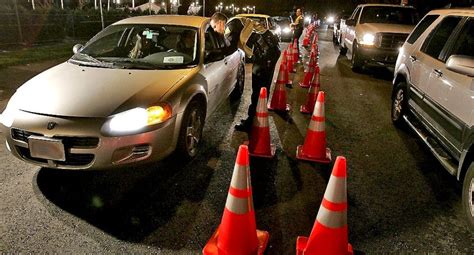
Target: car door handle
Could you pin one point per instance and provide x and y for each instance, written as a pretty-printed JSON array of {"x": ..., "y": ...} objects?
[
  {"x": 413, "y": 59},
  {"x": 438, "y": 72}
]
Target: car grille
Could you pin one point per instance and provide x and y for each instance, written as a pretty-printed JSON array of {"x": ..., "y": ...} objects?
[
  {"x": 392, "y": 40},
  {"x": 72, "y": 159}
]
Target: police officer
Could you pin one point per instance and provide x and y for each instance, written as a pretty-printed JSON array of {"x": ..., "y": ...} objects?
[
  {"x": 257, "y": 43},
  {"x": 298, "y": 26}
]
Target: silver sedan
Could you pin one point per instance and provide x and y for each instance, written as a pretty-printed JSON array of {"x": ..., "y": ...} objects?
[{"x": 136, "y": 92}]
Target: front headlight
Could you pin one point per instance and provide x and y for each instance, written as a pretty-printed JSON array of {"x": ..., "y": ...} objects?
[
  {"x": 278, "y": 30},
  {"x": 307, "y": 19},
  {"x": 330, "y": 19},
  {"x": 138, "y": 118},
  {"x": 286, "y": 30},
  {"x": 368, "y": 39}
]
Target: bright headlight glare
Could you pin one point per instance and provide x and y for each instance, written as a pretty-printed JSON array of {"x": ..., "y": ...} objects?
[
  {"x": 368, "y": 39},
  {"x": 330, "y": 19},
  {"x": 138, "y": 118},
  {"x": 307, "y": 19},
  {"x": 286, "y": 30},
  {"x": 278, "y": 30}
]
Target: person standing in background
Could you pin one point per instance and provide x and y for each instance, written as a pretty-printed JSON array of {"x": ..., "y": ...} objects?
[{"x": 297, "y": 27}]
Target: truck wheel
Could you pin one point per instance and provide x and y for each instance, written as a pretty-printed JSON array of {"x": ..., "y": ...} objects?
[
  {"x": 191, "y": 130},
  {"x": 468, "y": 196},
  {"x": 399, "y": 103},
  {"x": 356, "y": 62}
]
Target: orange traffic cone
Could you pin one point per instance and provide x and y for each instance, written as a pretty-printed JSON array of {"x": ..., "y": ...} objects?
[
  {"x": 259, "y": 144},
  {"x": 278, "y": 102},
  {"x": 296, "y": 51},
  {"x": 308, "y": 75},
  {"x": 312, "y": 93},
  {"x": 284, "y": 70},
  {"x": 329, "y": 234},
  {"x": 314, "y": 147},
  {"x": 237, "y": 233},
  {"x": 290, "y": 60}
]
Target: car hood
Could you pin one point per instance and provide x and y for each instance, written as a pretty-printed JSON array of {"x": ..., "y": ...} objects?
[
  {"x": 78, "y": 91},
  {"x": 386, "y": 28}
]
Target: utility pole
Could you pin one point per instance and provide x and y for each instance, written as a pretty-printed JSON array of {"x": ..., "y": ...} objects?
[
  {"x": 20, "y": 34},
  {"x": 101, "y": 14}
]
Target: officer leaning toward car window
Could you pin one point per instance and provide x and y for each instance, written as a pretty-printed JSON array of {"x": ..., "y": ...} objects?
[{"x": 263, "y": 64}]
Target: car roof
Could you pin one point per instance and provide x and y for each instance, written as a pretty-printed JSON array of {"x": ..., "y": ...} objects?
[
  {"x": 183, "y": 20},
  {"x": 253, "y": 15},
  {"x": 385, "y": 5},
  {"x": 456, "y": 11}
]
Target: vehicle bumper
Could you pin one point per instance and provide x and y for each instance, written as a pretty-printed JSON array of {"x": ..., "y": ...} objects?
[
  {"x": 377, "y": 56},
  {"x": 86, "y": 148}
]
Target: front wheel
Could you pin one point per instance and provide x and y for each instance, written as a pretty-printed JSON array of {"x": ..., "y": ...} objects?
[
  {"x": 191, "y": 130},
  {"x": 468, "y": 196},
  {"x": 356, "y": 62},
  {"x": 240, "y": 84},
  {"x": 399, "y": 104}
]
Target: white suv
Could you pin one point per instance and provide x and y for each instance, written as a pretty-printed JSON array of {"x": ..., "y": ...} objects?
[{"x": 433, "y": 92}]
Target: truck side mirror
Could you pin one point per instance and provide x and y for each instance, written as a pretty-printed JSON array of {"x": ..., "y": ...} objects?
[{"x": 461, "y": 64}]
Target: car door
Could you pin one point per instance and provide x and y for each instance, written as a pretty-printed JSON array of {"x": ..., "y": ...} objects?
[
  {"x": 231, "y": 65},
  {"x": 349, "y": 35},
  {"x": 214, "y": 70},
  {"x": 412, "y": 54},
  {"x": 452, "y": 91}
]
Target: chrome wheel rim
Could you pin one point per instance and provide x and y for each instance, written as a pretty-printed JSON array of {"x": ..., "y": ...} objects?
[
  {"x": 470, "y": 197},
  {"x": 193, "y": 132},
  {"x": 397, "y": 104},
  {"x": 241, "y": 79}
]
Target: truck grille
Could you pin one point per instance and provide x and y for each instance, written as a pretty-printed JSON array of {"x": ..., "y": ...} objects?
[
  {"x": 392, "y": 40},
  {"x": 72, "y": 159}
]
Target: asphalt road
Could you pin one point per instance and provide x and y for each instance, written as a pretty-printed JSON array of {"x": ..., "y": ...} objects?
[{"x": 400, "y": 198}]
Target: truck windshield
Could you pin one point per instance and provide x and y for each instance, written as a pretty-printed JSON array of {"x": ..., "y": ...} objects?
[{"x": 392, "y": 15}]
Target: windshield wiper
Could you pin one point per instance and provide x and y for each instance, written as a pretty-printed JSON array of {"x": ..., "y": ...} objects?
[{"x": 90, "y": 59}]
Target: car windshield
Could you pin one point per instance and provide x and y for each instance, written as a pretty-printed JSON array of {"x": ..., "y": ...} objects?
[
  {"x": 283, "y": 22},
  {"x": 141, "y": 46},
  {"x": 393, "y": 15}
]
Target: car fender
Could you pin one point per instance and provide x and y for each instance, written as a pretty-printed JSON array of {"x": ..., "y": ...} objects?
[{"x": 402, "y": 72}]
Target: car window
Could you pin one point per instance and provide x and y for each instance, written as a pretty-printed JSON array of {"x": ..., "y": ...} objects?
[
  {"x": 421, "y": 27},
  {"x": 435, "y": 42},
  {"x": 389, "y": 15},
  {"x": 464, "y": 44},
  {"x": 210, "y": 41},
  {"x": 141, "y": 46}
]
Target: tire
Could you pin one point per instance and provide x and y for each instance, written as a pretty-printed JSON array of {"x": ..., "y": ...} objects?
[
  {"x": 356, "y": 61},
  {"x": 191, "y": 130},
  {"x": 240, "y": 85},
  {"x": 343, "y": 49},
  {"x": 399, "y": 104},
  {"x": 468, "y": 196}
]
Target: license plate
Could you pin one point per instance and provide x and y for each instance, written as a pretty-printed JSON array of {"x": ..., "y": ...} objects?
[{"x": 46, "y": 148}]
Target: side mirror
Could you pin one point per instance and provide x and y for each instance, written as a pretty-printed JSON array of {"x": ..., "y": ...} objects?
[
  {"x": 77, "y": 48},
  {"x": 213, "y": 55},
  {"x": 350, "y": 22},
  {"x": 461, "y": 64}
]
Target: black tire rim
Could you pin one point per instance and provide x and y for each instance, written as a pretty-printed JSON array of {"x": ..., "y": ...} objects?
[
  {"x": 193, "y": 132},
  {"x": 397, "y": 106}
]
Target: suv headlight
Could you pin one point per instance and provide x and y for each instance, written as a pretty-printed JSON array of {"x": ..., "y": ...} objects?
[
  {"x": 368, "y": 39},
  {"x": 139, "y": 118},
  {"x": 286, "y": 30}
]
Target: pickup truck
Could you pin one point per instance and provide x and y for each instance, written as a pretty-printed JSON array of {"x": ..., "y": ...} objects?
[{"x": 375, "y": 32}]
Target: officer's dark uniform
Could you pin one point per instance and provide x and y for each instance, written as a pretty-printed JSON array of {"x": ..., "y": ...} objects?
[{"x": 263, "y": 66}]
